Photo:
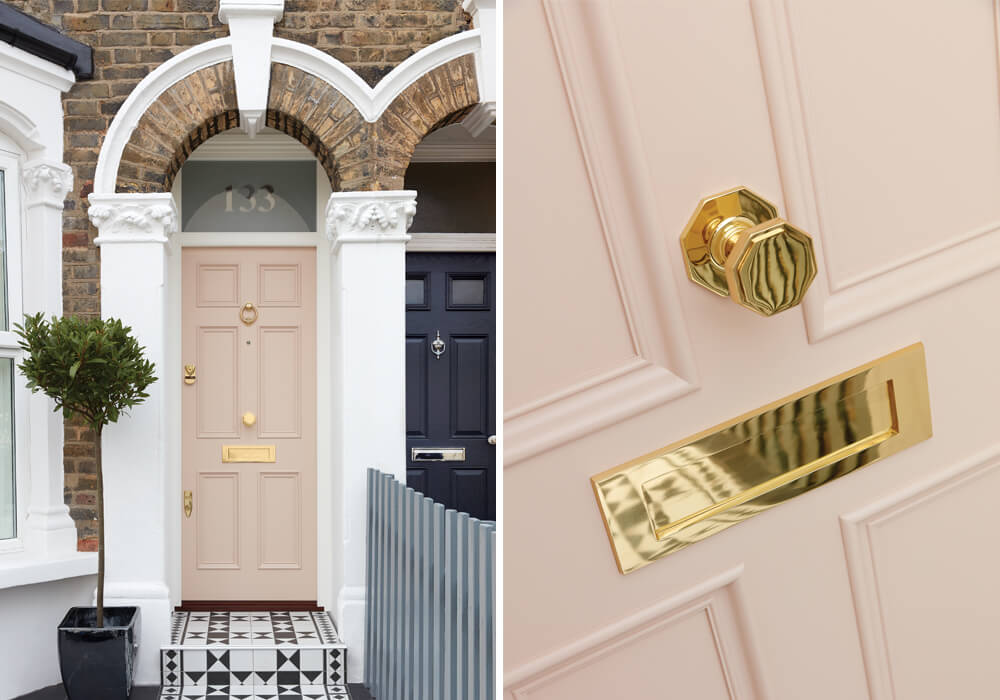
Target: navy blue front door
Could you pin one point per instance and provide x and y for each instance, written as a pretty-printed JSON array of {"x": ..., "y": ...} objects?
[{"x": 451, "y": 379}]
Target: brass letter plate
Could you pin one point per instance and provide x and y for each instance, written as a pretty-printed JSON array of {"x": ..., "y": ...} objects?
[
  {"x": 248, "y": 453},
  {"x": 687, "y": 491}
]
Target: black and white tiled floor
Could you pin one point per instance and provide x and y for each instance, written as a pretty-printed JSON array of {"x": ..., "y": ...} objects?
[{"x": 253, "y": 656}]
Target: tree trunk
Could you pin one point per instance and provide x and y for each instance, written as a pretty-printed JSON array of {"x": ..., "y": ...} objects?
[{"x": 100, "y": 533}]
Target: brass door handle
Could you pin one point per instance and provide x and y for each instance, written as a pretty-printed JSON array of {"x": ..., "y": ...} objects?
[
  {"x": 188, "y": 504},
  {"x": 736, "y": 245},
  {"x": 249, "y": 419}
]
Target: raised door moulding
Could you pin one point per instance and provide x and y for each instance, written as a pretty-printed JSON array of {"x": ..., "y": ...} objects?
[
  {"x": 663, "y": 367},
  {"x": 720, "y": 598},
  {"x": 859, "y": 531},
  {"x": 830, "y": 309}
]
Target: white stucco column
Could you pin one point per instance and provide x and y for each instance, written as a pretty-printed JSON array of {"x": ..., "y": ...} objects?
[
  {"x": 134, "y": 232},
  {"x": 368, "y": 231},
  {"x": 49, "y": 529}
]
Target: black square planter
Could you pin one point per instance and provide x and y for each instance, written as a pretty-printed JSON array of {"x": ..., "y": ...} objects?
[{"x": 98, "y": 663}]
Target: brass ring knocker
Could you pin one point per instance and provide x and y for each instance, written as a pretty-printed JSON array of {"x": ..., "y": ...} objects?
[{"x": 248, "y": 314}]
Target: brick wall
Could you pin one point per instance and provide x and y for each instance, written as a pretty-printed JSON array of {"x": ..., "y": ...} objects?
[{"x": 131, "y": 38}]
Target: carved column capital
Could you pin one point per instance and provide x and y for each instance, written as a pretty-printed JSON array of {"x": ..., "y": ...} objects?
[
  {"x": 46, "y": 183},
  {"x": 133, "y": 218},
  {"x": 370, "y": 217}
]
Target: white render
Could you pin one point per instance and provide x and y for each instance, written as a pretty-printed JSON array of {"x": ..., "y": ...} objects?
[
  {"x": 368, "y": 270},
  {"x": 251, "y": 29},
  {"x": 41, "y": 573},
  {"x": 133, "y": 233},
  {"x": 484, "y": 18}
]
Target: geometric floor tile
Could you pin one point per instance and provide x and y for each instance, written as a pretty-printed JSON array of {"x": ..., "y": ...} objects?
[
  {"x": 265, "y": 692},
  {"x": 269, "y": 655}
]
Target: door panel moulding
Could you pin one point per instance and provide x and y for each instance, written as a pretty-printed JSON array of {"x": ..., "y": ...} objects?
[{"x": 663, "y": 367}]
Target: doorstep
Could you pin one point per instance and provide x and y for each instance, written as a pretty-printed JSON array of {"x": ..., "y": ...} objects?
[{"x": 261, "y": 655}]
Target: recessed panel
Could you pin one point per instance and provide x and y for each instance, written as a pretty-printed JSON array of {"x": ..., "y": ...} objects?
[
  {"x": 936, "y": 579},
  {"x": 469, "y": 490},
  {"x": 217, "y": 386},
  {"x": 416, "y": 386},
  {"x": 416, "y": 479},
  {"x": 280, "y": 382},
  {"x": 218, "y": 285},
  {"x": 553, "y": 228},
  {"x": 470, "y": 373},
  {"x": 677, "y": 660},
  {"x": 279, "y": 532},
  {"x": 279, "y": 285},
  {"x": 217, "y": 520},
  {"x": 903, "y": 137}
]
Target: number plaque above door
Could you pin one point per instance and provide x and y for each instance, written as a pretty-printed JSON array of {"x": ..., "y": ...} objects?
[{"x": 237, "y": 196}]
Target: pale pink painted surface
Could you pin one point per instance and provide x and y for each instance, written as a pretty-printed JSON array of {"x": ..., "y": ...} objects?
[
  {"x": 912, "y": 617},
  {"x": 252, "y": 535}
]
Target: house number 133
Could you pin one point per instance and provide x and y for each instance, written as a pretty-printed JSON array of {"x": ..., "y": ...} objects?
[{"x": 257, "y": 199}]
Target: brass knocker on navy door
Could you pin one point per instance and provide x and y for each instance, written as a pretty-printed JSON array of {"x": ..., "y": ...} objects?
[{"x": 437, "y": 346}]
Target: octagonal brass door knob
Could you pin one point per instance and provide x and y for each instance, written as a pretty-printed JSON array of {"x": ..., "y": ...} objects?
[{"x": 735, "y": 245}]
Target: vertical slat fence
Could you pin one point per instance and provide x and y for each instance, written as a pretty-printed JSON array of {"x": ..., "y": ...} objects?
[{"x": 431, "y": 598}]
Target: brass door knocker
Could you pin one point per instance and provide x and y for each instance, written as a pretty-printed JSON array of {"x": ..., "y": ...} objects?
[
  {"x": 437, "y": 346},
  {"x": 248, "y": 314}
]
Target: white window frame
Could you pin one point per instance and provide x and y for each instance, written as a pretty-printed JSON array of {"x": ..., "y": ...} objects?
[{"x": 10, "y": 164}]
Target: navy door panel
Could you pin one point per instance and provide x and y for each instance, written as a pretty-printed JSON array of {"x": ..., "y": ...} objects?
[{"x": 451, "y": 382}]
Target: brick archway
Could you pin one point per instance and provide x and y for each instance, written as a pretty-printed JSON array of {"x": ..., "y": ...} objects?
[{"x": 356, "y": 154}]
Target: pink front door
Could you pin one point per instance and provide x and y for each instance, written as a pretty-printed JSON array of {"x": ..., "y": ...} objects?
[
  {"x": 249, "y": 424},
  {"x": 875, "y": 128}
]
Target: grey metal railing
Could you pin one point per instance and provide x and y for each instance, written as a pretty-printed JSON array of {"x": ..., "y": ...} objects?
[{"x": 430, "y": 631}]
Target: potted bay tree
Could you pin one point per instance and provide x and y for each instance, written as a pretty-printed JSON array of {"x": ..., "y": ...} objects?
[{"x": 95, "y": 369}]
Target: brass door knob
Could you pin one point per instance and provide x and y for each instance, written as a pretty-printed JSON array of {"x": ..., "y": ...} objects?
[
  {"x": 736, "y": 245},
  {"x": 249, "y": 419}
]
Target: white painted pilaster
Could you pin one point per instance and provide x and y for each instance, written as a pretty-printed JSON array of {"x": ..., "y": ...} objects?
[
  {"x": 251, "y": 28},
  {"x": 368, "y": 231},
  {"x": 49, "y": 529},
  {"x": 134, "y": 233},
  {"x": 484, "y": 18}
]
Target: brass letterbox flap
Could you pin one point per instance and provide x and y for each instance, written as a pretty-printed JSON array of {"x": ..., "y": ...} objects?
[
  {"x": 687, "y": 491},
  {"x": 248, "y": 453}
]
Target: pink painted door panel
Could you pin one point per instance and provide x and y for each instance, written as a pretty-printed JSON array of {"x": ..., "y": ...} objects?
[
  {"x": 252, "y": 532},
  {"x": 875, "y": 127}
]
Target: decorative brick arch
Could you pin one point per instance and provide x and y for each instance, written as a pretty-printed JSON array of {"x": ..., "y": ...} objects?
[{"x": 356, "y": 154}]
